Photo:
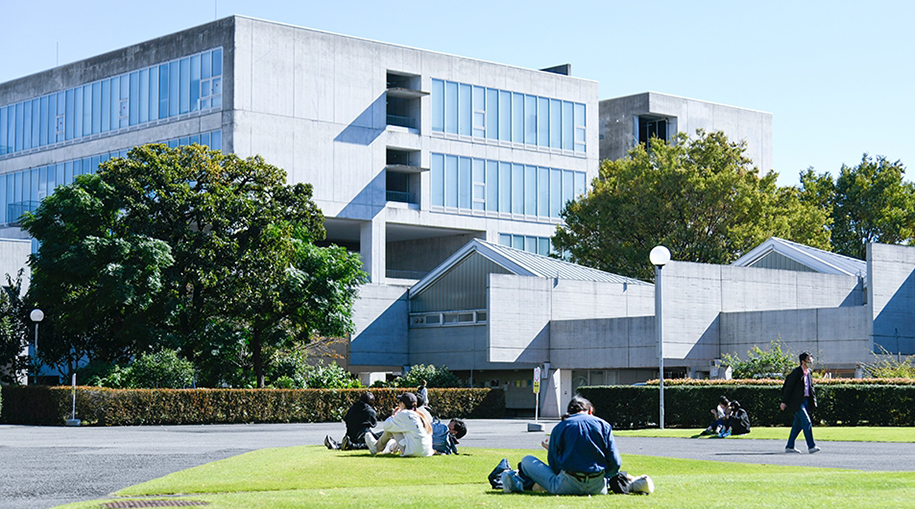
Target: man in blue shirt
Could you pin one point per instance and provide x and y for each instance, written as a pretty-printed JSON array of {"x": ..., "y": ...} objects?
[{"x": 582, "y": 455}]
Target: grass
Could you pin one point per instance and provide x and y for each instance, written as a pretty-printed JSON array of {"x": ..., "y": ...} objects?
[
  {"x": 313, "y": 477},
  {"x": 822, "y": 433}
]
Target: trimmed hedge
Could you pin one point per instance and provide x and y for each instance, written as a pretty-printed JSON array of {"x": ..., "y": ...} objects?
[
  {"x": 121, "y": 407},
  {"x": 689, "y": 405}
]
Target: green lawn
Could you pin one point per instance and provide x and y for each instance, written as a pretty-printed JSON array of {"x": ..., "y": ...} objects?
[
  {"x": 312, "y": 476},
  {"x": 822, "y": 433}
]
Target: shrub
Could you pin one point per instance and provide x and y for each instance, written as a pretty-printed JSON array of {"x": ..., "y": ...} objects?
[
  {"x": 331, "y": 376},
  {"x": 434, "y": 377},
  {"x": 163, "y": 369},
  {"x": 886, "y": 365},
  {"x": 774, "y": 361}
]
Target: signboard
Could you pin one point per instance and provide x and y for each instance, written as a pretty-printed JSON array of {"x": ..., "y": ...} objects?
[{"x": 537, "y": 380}]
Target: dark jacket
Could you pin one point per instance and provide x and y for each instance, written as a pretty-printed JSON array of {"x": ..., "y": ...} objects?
[
  {"x": 739, "y": 422},
  {"x": 359, "y": 418},
  {"x": 793, "y": 391}
]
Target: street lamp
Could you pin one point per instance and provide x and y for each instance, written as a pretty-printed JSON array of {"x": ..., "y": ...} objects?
[
  {"x": 36, "y": 315},
  {"x": 659, "y": 257}
]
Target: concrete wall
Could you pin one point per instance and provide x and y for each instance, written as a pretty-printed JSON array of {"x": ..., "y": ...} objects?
[
  {"x": 695, "y": 297},
  {"x": 14, "y": 255},
  {"x": 380, "y": 340},
  {"x": 686, "y": 116},
  {"x": 891, "y": 297}
]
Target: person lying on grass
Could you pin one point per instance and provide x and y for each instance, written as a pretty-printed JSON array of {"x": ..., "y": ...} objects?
[
  {"x": 406, "y": 431},
  {"x": 582, "y": 456},
  {"x": 445, "y": 437}
]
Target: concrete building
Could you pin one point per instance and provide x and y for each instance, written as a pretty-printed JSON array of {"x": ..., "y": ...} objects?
[{"x": 627, "y": 121}]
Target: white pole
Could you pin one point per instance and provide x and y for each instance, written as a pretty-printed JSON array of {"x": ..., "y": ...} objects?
[
  {"x": 74, "y": 397},
  {"x": 657, "y": 314}
]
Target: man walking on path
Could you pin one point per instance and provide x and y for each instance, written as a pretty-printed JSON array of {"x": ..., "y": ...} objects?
[{"x": 798, "y": 396}]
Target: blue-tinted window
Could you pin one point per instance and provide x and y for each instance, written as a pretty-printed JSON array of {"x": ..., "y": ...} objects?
[
  {"x": 505, "y": 239},
  {"x": 580, "y": 127},
  {"x": 451, "y": 181},
  {"x": 195, "y": 82},
  {"x": 479, "y": 112},
  {"x": 579, "y": 184},
  {"x": 438, "y": 105},
  {"x": 505, "y": 187},
  {"x": 518, "y": 118},
  {"x": 142, "y": 96},
  {"x": 465, "y": 110},
  {"x": 479, "y": 184},
  {"x": 77, "y": 112},
  {"x": 451, "y": 107},
  {"x": 555, "y": 192},
  {"x": 43, "y": 129},
  {"x": 174, "y": 93},
  {"x": 555, "y": 123},
  {"x": 492, "y": 114},
  {"x": 27, "y": 125},
  {"x": 106, "y": 106},
  {"x": 4, "y": 116},
  {"x": 36, "y": 122},
  {"x": 543, "y": 192},
  {"x": 492, "y": 186},
  {"x": 96, "y": 108},
  {"x": 543, "y": 122},
  {"x": 518, "y": 242},
  {"x": 530, "y": 190},
  {"x": 153, "y": 108},
  {"x": 543, "y": 246},
  {"x": 134, "y": 98},
  {"x": 505, "y": 116},
  {"x": 464, "y": 183},
  {"x": 567, "y": 127},
  {"x": 530, "y": 120},
  {"x": 163, "y": 90},
  {"x": 517, "y": 189},
  {"x": 568, "y": 187}
]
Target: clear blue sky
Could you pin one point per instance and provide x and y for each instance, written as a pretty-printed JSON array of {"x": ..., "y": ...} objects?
[{"x": 836, "y": 75}]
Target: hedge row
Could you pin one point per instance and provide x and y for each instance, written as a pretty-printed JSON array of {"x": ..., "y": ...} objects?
[
  {"x": 688, "y": 406},
  {"x": 121, "y": 407}
]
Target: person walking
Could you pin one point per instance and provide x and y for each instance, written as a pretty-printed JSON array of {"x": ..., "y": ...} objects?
[
  {"x": 799, "y": 396},
  {"x": 582, "y": 456}
]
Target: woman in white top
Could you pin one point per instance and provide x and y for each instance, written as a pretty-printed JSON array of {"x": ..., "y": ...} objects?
[{"x": 406, "y": 431}]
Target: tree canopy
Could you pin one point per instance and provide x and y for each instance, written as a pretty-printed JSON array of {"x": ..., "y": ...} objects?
[
  {"x": 700, "y": 197},
  {"x": 190, "y": 249},
  {"x": 868, "y": 202}
]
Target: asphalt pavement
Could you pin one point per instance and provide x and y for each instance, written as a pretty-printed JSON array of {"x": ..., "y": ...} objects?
[{"x": 46, "y": 466}]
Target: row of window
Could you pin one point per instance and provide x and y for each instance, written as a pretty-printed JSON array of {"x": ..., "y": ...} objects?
[
  {"x": 22, "y": 191},
  {"x": 161, "y": 91},
  {"x": 448, "y": 318},
  {"x": 494, "y": 186},
  {"x": 531, "y": 244},
  {"x": 493, "y": 114}
]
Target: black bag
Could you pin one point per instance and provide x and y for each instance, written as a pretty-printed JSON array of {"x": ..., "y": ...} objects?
[
  {"x": 619, "y": 484},
  {"x": 495, "y": 478}
]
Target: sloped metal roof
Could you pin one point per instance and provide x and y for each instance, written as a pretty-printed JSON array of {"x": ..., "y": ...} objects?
[
  {"x": 522, "y": 263},
  {"x": 819, "y": 260}
]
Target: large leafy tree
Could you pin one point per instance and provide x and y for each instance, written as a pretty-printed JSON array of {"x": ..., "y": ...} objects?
[
  {"x": 700, "y": 197},
  {"x": 201, "y": 239},
  {"x": 14, "y": 330},
  {"x": 868, "y": 202}
]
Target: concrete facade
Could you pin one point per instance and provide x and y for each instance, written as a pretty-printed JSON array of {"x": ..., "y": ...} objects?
[{"x": 620, "y": 118}]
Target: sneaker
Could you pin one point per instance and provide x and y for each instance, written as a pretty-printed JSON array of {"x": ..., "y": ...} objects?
[
  {"x": 372, "y": 443},
  {"x": 642, "y": 484},
  {"x": 346, "y": 445},
  {"x": 330, "y": 443},
  {"x": 813, "y": 449},
  {"x": 708, "y": 431},
  {"x": 724, "y": 434},
  {"x": 511, "y": 483},
  {"x": 792, "y": 450}
]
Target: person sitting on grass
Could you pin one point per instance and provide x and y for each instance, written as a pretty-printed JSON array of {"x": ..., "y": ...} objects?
[
  {"x": 359, "y": 419},
  {"x": 406, "y": 431},
  {"x": 582, "y": 456},
  {"x": 737, "y": 423},
  {"x": 720, "y": 414},
  {"x": 445, "y": 437}
]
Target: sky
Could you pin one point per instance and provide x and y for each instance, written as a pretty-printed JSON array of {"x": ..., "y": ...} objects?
[{"x": 836, "y": 75}]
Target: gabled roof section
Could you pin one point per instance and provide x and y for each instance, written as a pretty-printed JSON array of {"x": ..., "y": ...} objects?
[
  {"x": 818, "y": 260},
  {"x": 521, "y": 263}
]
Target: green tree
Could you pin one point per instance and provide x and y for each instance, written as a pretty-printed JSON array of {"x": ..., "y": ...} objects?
[
  {"x": 330, "y": 376},
  {"x": 163, "y": 369},
  {"x": 14, "y": 330},
  {"x": 774, "y": 361},
  {"x": 700, "y": 197},
  {"x": 869, "y": 202},
  {"x": 204, "y": 251},
  {"x": 433, "y": 375}
]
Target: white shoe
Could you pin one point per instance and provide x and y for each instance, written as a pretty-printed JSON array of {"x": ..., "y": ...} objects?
[
  {"x": 792, "y": 450},
  {"x": 511, "y": 483},
  {"x": 642, "y": 484},
  {"x": 372, "y": 443},
  {"x": 813, "y": 449}
]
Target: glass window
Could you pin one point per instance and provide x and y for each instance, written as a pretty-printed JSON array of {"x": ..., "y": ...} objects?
[
  {"x": 465, "y": 184},
  {"x": 185, "y": 85},
  {"x": 567, "y": 127},
  {"x": 543, "y": 122},
  {"x": 530, "y": 190},
  {"x": 16, "y": 141},
  {"x": 68, "y": 172},
  {"x": 4, "y": 119},
  {"x": 568, "y": 187},
  {"x": 518, "y": 242},
  {"x": 134, "y": 98},
  {"x": 530, "y": 120},
  {"x": 579, "y": 184},
  {"x": 114, "y": 110},
  {"x": 173, "y": 74},
  {"x": 555, "y": 192},
  {"x": 530, "y": 244},
  {"x": 27, "y": 125},
  {"x": 492, "y": 114},
  {"x": 505, "y": 239},
  {"x": 555, "y": 123},
  {"x": 479, "y": 184},
  {"x": 52, "y": 118},
  {"x": 43, "y": 130},
  {"x": 438, "y": 105},
  {"x": 217, "y": 62},
  {"x": 36, "y": 123},
  {"x": 465, "y": 109},
  {"x": 216, "y": 140},
  {"x": 153, "y": 93},
  {"x": 543, "y": 192},
  {"x": 61, "y": 116},
  {"x": 518, "y": 118},
  {"x": 437, "y": 179},
  {"x": 142, "y": 96},
  {"x": 87, "y": 110},
  {"x": 451, "y": 107},
  {"x": 505, "y": 115},
  {"x": 517, "y": 189},
  {"x": 580, "y": 127},
  {"x": 505, "y": 187},
  {"x": 479, "y": 112},
  {"x": 69, "y": 114},
  {"x": 195, "y": 82},
  {"x": 492, "y": 186},
  {"x": 77, "y": 112},
  {"x": 543, "y": 246},
  {"x": 164, "y": 87},
  {"x": 206, "y": 65},
  {"x": 451, "y": 181},
  {"x": 97, "y": 107}
]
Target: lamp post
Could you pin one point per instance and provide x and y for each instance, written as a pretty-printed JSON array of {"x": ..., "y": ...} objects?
[
  {"x": 36, "y": 315},
  {"x": 659, "y": 257}
]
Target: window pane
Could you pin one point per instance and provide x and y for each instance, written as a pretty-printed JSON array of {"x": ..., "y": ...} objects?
[
  {"x": 437, "y": 179},
  {"x": 114, "y": 104},
  {"x": 43, "y": 130},
  {"x": 465, "y": 109},
  {"x": 530, "y": 190},
  {"x": 543, "y": 192},
  {"x": 492, "y": 186},
  {"x": 4, "y": 119},
  {"x": 143, "y": 98},
  {"x": 505, "y": 239},
  {"x": 26, "y": 125},
  {"x": 185, "y": 85},
  {"x": 69, "y": 114},
  {"x": 567, "y": 127},
  {"x": 36, "y": 123},
  {"x": 134, "y": 98},
  {"x": 517, "y": 189},
  {"x": 568, "y": 187},
  {"x": 78, "y": 112},
  {"x": 579, "y": 184},
  {"x": 530, "y": 120},
  {"x": 555, "y": 192},
  {"x": 216, "y": 140},
  {"x": 530, "y": 244},
  {"x": 87, "y": 110},
  {"x": 518, "y": 242},
  {"x": 505, "y": 112},
  {"x": 217, "y": 62},
  {"x": 505, "y": 187},
  {"x": 451, "y": 107},
  {"x": 543, "y": 122},
  {"x": 580, "y": 127},
  {"x": 97, "y": 102},
  {"x": 206, "y": 65},
  {"x": 465, "y": 183},
  {"x": 543, "y": 246},
  {"x": 479, "y": 184},
  {"x": 479, "y": 112},
  {"x": 555, "y": 123},
  {"x": 518, "y": 118},
  {"x": 451, "y": 181},
  {"x": 438, "y": 105},
  {"x": 153, "y": 93},
  {"x": 492, "y": 114},
  {"x": 195, "y": 82},
  {"x": 173, "y": 74},
  {"x": 163, "y": 90}
]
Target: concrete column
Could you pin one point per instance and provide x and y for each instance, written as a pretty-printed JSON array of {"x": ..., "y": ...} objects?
[
  {"x": 554, "y": 393},
  {"x": 372, "y": 240}
]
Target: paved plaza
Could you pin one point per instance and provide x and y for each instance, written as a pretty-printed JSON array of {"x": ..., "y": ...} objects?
[{"x": 45, "y": 466}]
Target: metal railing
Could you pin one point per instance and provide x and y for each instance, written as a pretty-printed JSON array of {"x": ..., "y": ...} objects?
[{"x": 401, "y": 121}]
